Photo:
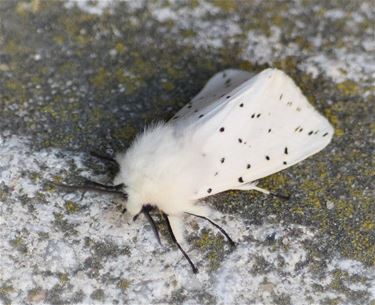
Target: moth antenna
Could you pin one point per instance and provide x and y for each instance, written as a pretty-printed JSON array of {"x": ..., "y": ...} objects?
[
  {"x": 103, "y": 157},
  {"x": 146, "y": 211},
  {"x": 231, "y": 242},
  {"x": 117, "y": 187},
  {"x": 89, "y": 188},
  {"x": 195, "y": 270}
]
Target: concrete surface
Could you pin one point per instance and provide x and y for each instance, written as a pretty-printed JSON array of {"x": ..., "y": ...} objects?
[{"x": 77, "y": 76}]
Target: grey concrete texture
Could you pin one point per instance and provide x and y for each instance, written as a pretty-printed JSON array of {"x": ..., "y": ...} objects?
[{"x": 81, "y": 76}]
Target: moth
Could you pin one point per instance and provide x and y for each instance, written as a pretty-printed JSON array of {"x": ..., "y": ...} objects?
[{"x": 238, "y": 129}]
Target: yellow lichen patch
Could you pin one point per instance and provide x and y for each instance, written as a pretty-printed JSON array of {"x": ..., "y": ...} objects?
[
  {"x": 168, "y": 86},
  {"x": 344, "y": 209},
  {"x": 63, "y": 278},
  {"x": 246, "y": 65},
  {"x": 120, "y": 48},
  {"x": 20, "y": 244},
  {"x": 125, "y": 134},
  {"x": 208, "y": 241},
  {"x": 59, "y": 39},
  {"x": 368, "y": 225},
  {"x": 225, "y": 5},
  {"x": 333, "y": 119},
  {"x": 6, "y": 289},
  {"x": 17, "y": 88},
  {"x": 348, "y": 87},
  {"x": 100, "y": 78},
  {"x": 298, "y": 210},
  {"x": 186, "y": 33},
  {"x": 275, "y": 181},
  {"x": 71, "y": 207},
  {"x": 288, "y": 64},
  {"x": 123, "y": 284},
  {"x": 315, "y": 202}
]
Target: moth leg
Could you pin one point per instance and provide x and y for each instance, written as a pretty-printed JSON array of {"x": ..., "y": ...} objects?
[
  {"x": 252, "y": 186},
  {"x": 231, "y": 242},
  {"x": 195, "y": 270},
  {"x": 146, "y": 211}
]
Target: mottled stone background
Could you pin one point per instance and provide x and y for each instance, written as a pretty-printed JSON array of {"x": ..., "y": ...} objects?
[{"x": 78, "y": 76}]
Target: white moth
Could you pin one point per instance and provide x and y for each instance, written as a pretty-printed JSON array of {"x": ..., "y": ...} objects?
[{"x": 238, "y": 129}]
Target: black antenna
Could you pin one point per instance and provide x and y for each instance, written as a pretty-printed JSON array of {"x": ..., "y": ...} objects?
[
  {"x": 195, "y": 270},
  {"x": 102, "y": 157},
  {"x": 231, "y": 242},
  {"x": 117, "y": 187},
  {"x": 93, "y": 186}
]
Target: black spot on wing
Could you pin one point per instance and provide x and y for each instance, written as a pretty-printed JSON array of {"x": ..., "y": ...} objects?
[
  {"x": 286, "y": 150},
  {"x": 248, "y": 166},
  {"x": 281, "y": 96},
  {"x": 268, "y": 158},
  {"x": 239, "y": 140},
  {"x": 222, "y": 129},
  {"x": 285, "y": 163},
  {"x": 269, "y": 130},
  {"x": 240, "y": 179},
  {"x": 222, "y": 160},
  {"x": 258, "y": 115},
  {"x": 209, "y": 190},
  {"x": 326, "y": 134},
  {"x": 241, "y": 105},
  {"x": 201, "y": 116}
]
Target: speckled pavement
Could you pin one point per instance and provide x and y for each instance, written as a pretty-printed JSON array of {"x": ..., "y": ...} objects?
[{"x": 78, "y": 76}]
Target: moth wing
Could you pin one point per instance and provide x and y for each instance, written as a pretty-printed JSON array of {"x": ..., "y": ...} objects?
[
  {"x": 266, "y": 125},
  {"x": 212, "y": 95}
]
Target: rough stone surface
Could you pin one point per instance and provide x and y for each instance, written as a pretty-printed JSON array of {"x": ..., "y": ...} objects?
[{"x": 77, "y": 76}]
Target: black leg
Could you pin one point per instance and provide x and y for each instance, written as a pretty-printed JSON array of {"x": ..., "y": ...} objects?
[
  {"x": 195, "y": 270},
  {"x": 231, "y": 242},
  {"x": 146, "y": 212},
  {"x": 284, "y": 197}
]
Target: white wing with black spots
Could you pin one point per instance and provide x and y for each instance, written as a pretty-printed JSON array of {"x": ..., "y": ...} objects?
[
  {"x": 211, "y": 97},
  {"x": 250, "y": 128}
]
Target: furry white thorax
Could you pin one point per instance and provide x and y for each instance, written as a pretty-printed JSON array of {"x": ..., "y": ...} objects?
[{"x": 161, "y": 168}]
